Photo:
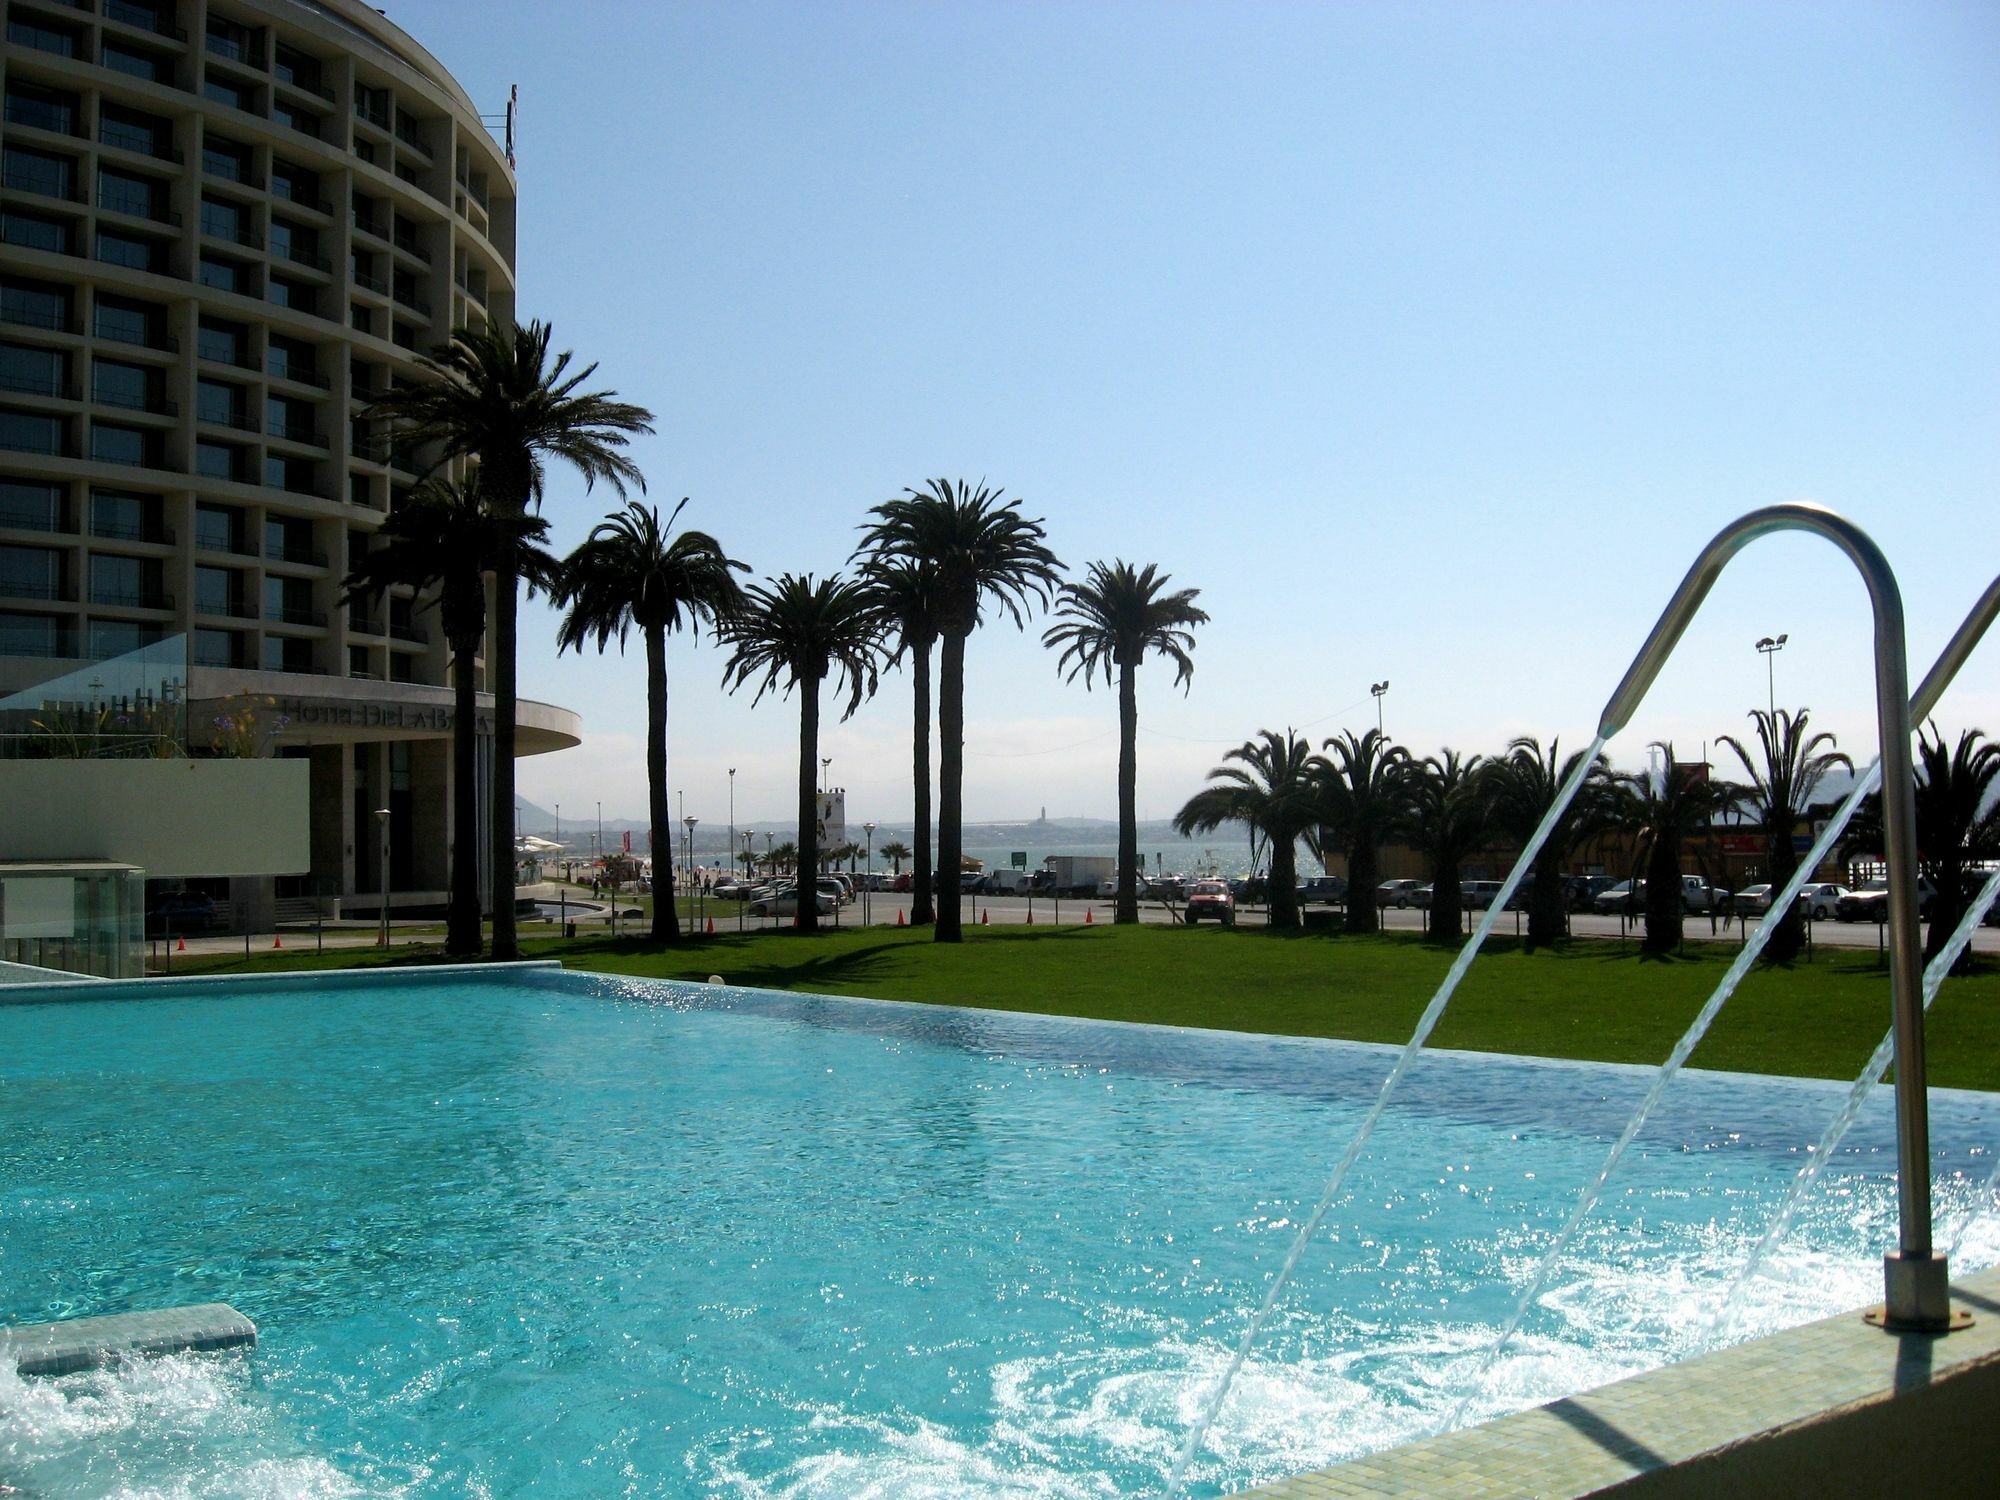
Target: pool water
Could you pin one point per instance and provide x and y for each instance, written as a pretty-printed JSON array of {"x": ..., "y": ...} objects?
[{"x": 572, "y": 1236}]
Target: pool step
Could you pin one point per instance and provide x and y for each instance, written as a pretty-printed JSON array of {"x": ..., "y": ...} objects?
[{"x": 86, "y": 1343}]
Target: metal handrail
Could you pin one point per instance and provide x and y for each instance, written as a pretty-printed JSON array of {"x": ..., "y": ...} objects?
[{"x": 1916, "y": 1284}]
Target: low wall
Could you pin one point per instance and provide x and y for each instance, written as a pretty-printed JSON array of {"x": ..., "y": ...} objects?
[{"x": 171, "y": 818}]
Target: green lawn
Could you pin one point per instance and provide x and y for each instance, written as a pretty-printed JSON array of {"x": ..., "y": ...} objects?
[{"x": 1591, "y": 1001}]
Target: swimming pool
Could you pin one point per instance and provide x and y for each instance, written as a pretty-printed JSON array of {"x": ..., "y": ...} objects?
[{"x": 569, "y": 1235}]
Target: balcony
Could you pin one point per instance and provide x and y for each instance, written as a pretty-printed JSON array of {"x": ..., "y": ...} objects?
[
  {"x": 299, "y": 375},
  {"x": 120, "y": 599},
  {"x": 403, "y": 630},
  {"x": 37, "y": 385},
  {"x": 142, "y": 18},
  {"x": 220, "y": 227},
  {"x": 304, "y": 557},
  {"x": 291, "y": 614},
  {"x": 44, "y": 590},
  {"x": 301, "y": 257},
  {"x": 37, "y": 317},
  {"x": 153, "y": 534},
  {"x": 407, "y": 243},
  {"x": 29, "y": 180},
  {"x": 297, "y": 433},
  {"x": 137, "y": 206}
]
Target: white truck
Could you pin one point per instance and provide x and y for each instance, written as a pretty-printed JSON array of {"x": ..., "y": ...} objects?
[
  {"x": 1007, "y": 882},
  {"x": 1079, "y": 874}
]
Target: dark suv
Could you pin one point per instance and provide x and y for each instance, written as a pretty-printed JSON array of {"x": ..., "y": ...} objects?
[
  {"x": 180, "y": 912},
  {"x": 1322, "y": 888}
]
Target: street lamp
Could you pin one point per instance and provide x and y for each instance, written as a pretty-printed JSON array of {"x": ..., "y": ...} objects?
[
  {"x": 689, "y": 862},
  {"x": 382, "y": 856},
  {"x": 1769, "y": 647},
  {"x": 730, "y": 847},
  {"x": 1380, "y": 690},
  {"x": 749, "y": 863},
  {"x": 824, "y": 762},
  {"x": 868, "y": 884},
  {"x": 600, "y": 837}
]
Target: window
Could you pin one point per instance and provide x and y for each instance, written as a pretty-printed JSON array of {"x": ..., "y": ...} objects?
[
  {"x": 31, "y": 432},
  {"x": 34, "y": 305},
  {"x": 304, "y": 121},
  {"x": 127, "y": 322},
  {"x": 218, "y": 591},
  {"x": 296, "y": 68},
  {"x": 359, "y": 491},
  {"x": 113, "y": 383},
  {"x": 225, "y": 159},
  {"x": 222, "y": 275},
  {"x": 290, "y": 539},
  {"x": 119, "y": 513},
  {"x": 111, "y": 443},
  {"x": 402, "y": 667},
  {"x": 296, "y": 184},
  {"x": 141, "y": 13},
  {"x": 137, "y": 61},
  {"x": 362, "y": 319},
  {"x": 109, "y": 638},
  {"x": 217, "y": 648},
  {"x": 295, "y": 242},
  {"x": 35, "y": 372},
  {"x": 235, "y": 95},
  {"x": 36, "y": 232},
  {"x": 225, "y": 343},
  {"x": 219, "y": 460},
  {"x": 294, "y": 474},
  {"x": 129, "y": 130},
  {"x": 294, "y": 294},
  {"x": 365, "y": 150},
  {"x": 219, "y": 402},
  {"x": 130, "y": 250},
  {"x": 288, "y": 417},
  {"x": 290, "y": 601},
  {"x": 287, "y": 654},
  {"x": 227, "y": 39},
  {"x": 292, "y": 359},
  {"x": 224, "y": 220},
  {"x": 41, "y": 109},
  {"x": 28, "y": 505},
  {"x": 218, "y": 528},
  {"x": 40, "y": 172},
  {"x": 127, "y": 582},
  {"x": 372, "y": 105},
  {"x": 357, "y": 662},
  {"x": 33, "y": 635},
  {"x": 31, "y": 572},
  {"x": 42, "y": 36},
  {"x": 125, "y": 193}
]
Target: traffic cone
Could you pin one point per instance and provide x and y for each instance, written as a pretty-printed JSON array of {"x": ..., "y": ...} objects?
[
  {"x": 711, "y": 927},
  {"x": 277, "y": 941},
  {"x": 181, "y": 946},
  {"x": 899, "y": 916},
  {"x": 986, "y": 917},
  {"x": 1088, "y": 920}
]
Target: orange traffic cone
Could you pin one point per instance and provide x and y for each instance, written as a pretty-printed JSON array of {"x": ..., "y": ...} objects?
[
  {"x": 181, "y": 945},
  {"x": 277, "y": 941},
  {"x": 985, "y": 917},
  {"x": 1088, "y": 920},
  {"x": 711, "y": 927},
  {"x": 899, "y": 916}
]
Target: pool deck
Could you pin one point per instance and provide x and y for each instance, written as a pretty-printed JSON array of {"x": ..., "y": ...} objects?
[{"x": 1830, "y": 1408}]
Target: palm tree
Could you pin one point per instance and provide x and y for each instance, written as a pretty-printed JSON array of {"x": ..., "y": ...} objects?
[
  {"x": 785, "y": 857},
  {"x": 1663, "y": 812},
  {"x": 631, "y": 571},
  {"x": 1953, "y": 790},
  {"x": 1520, "y": 788},
  {"x": 1785, "y": 779},
  {"x": 1108, "y": 623},
  {"x": 495, "y": 396},
  {"x": 898, "y": 851},
  {"x": 907, "y": 594},
  {"x": 797, "y": 633},
  {"x": 978, "y": 550},
  {"x": 446, "y": 536},
  {"x": 1446, "y": 817},
  {"x": 1361, "y": 802},
  {"x": 1269, "y": 783}
]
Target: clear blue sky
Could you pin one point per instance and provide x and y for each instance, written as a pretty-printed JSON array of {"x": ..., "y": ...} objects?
[{"x": 1428, "y": 341}]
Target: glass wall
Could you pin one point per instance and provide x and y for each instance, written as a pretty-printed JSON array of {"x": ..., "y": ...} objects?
[
  {"x": 130, "y": 705},
  {"x": 80, "y": 918}
]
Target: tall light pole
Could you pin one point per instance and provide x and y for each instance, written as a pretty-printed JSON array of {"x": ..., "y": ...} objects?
[
  {"x": 825, "y": 761},
  {"x": 1768, "y": 648},
  {"x": 868, "y": 884},
  {"x": 1380, "y": 690},
  {"x": 730, "y": 847},
  {"x": 690, "y": 863},
  {"x": 600, "y": 837},
  {"x": 382, "y": 857},
  {"x": 749, "y": 862}
]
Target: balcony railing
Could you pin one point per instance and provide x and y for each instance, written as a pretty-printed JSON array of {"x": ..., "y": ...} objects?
[
  {"x": 289, "y": 614},
  {"x": 158, "y": 23},
  {"x": 302, "y": 257},
  {"x": 418, "y": 305},
  {"x": 407, "y": 243},
  {"x": 297, "y": 433},
  {"x": 152, "y": 406},
  {"x": 137, "y": 205},
  {"x": 28, "y": 180},
  {"x": 47, "y": 590},
  {"x": 403, "y": 630},
  {"x": 37, "y": 385},
  {"x": 302, "y": 374},
  {"x": 138, "y": 142},
  {"x": 151, "y": 533},
  {"x": 305, "y": 557},
  {"x": 222, "y": 227},
  {"x": 35, "y": 317},
  {"x": 120, "y": 599}
]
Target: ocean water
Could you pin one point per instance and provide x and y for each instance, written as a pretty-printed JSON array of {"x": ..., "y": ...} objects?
[{"x": 582, "y": 1236}]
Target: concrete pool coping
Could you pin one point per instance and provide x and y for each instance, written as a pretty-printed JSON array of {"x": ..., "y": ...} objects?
[
  {"x": 1832, "y": 1407},
  {"x": 89, "y": 1343}
]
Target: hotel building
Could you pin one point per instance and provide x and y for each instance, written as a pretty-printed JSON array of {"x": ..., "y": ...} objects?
[{"x": 225, "y": 226}]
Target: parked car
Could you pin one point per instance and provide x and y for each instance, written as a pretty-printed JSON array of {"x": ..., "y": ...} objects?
[
  {"x": 1477, "y": 895},
  {"x": 1210, "y": 899},
  {"x": 1870, "y": 903},
  {"x": 1628, "y": 896},
  {"x": 179, "y": 912},
  {"x": 785, "y": 903},
  {"x": 1580, "y": 891},
  {"x": 1422, "y": 897},
  {"x": 969, "y": 881},
  {"x": 1698, "y": 895},
  {"x": 1818, "y": 901},
  {"x": 1327, "y": 888},
  {"x": 1396, "y": 892}
]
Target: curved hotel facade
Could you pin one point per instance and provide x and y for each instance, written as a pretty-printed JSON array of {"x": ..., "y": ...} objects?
[{"x": 226, "y": 225}]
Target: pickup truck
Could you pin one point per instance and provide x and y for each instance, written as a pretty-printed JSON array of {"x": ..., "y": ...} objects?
[{"x": 1870, "y": 903}]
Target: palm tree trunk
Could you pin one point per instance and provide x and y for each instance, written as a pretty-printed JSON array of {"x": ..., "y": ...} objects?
[
  {"x": 666, "y": 921},
  {"x": 1789, "y": 936},
  {"x": 1666, "y": 906},
  {"x": 506, "y": 616},
  {"x": 1362, "y": 913},
  {"x": 805, "y": 893},
  {"x": 1128, "y": 797},
  {"x": 951, "y": 775},
  {"x": 923, "y": 905},
  {"x": 1545, "y": 900},
  {"x": 462, "y": 932},
  {"x": 1445, "y": 922},
  {"x": 1284, "y": 881}
]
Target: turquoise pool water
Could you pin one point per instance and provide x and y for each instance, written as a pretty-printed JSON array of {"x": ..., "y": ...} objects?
[{"x": 568, "y": 1236}]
